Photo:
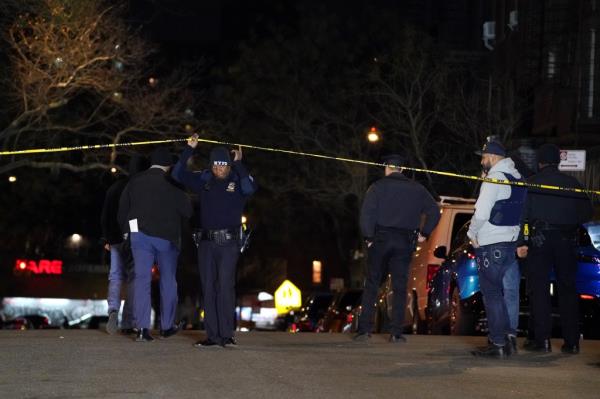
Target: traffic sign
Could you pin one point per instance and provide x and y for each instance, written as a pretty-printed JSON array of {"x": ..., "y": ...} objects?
[
  {"x": 572, "y": 160},
  {"x": 287, "y": 297}
]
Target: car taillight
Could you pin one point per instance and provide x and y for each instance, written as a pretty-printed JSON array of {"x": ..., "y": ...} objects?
[
  {"x": 431, "y": 271},
  {"x": 588, "y": 297}
]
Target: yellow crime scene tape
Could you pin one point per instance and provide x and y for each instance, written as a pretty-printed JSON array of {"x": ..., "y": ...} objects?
[{"x": 301, "y": 153}]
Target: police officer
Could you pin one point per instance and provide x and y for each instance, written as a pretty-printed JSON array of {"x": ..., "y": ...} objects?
[
  {"x": 121, "y": 268},
  {"x": 494, "y": 231},
  {"x": 389, "y": 220},
  {"x": 223, "y": 191},
  {"x": 151, "y": 210},
  {"x": 553, "y": 217}
]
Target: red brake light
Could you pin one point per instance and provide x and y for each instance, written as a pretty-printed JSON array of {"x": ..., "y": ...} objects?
[
  {"x": 431, "y": 271},
  {"x": 584, "y": 296}
]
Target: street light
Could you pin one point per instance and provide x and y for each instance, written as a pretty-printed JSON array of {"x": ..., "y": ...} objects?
[
  {"x": 76, "y": 239},
  {"x": 373, "y": 135},
  {"x": 12, "y": 179},
  {"x": 113, "y": 170},
  {"x": 244, "y": 219}
]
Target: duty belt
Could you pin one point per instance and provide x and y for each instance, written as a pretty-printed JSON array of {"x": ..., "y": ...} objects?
[{"x": 216, "y": 235}]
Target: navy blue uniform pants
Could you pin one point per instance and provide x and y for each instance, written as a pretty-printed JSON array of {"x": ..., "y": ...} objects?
[
  {"x": 557, "y": 252},
  {"x": 494, "y": 262},
  {"x": 148, "y": 250},
  {"x": 390, "y": 252},
  {"x": 217, "y": 264}
]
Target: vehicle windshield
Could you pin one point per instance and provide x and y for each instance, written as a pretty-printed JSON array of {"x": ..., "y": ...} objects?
[{"x": 593, "y": 232}]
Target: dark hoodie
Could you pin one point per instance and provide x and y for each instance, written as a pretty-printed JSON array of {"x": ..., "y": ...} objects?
[{"x": 111, "y": 232}]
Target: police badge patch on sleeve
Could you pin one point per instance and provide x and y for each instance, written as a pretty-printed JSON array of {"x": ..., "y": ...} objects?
[{"x": 231, "y": 187}]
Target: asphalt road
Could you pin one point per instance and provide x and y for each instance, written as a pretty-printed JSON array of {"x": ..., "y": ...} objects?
[{"x": 92, "y": 364}]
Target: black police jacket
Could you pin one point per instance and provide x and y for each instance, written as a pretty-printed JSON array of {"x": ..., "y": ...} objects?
[
  {"x": 556, "y": 207},
  {"x": 398, "y": 202}
]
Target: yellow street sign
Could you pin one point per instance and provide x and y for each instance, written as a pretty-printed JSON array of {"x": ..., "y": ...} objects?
[{"x": 287, "y": 297}]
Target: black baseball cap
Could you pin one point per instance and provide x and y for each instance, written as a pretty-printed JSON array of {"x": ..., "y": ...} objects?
[
  {"x": 492, "y": 147},
  {"x": 396, "y": 160}
]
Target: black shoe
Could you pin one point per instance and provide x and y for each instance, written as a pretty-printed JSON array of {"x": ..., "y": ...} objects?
[
  {"x": 171, "y": 331},
  {"x": 230, "y": 342},
  {"x": 112, "y": 326},
  {"x": 143, "y": 335},
  {"x": 512, "y": 342},
  {"x": 492, "y": 350},
  {"x": 361, "y": 337},
  {"x": 544, "y": 346},
  {"x": 397, "y": 339},
  {"x": 570, "y": 349},
  {"x": 207, "y": 343}
]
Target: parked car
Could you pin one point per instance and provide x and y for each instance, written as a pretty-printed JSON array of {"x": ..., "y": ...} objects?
[
  {"x": 307, "y": 318},
  {"x": 27, "y": 322},
  {"x": 339, "y": 315},
  {"x": 455, "y": 212},
  {"x": 455, "y": 302}
]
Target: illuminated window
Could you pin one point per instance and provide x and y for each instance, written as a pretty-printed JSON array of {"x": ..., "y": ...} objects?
[{"x": 316, "y": 272}]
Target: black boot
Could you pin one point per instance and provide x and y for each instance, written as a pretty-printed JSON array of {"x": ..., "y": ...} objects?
[
  {"x": 397, "y": 339},
  {"x": 143, "y": 335},
  {"x": 544, "y": 346},
  {"x": 361, "y": 337},
  {"x": 493, "y": 351},
  {"x": 171, "y": 331},
  {"x": 570, "y": 349}
]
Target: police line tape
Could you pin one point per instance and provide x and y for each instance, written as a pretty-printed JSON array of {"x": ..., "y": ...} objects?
[{"x": 301, "y": 153}]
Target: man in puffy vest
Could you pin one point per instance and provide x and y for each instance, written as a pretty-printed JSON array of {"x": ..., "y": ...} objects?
[{"x": 494, "y": 231}]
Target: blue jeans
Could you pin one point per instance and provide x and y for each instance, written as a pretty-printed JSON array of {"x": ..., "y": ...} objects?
[
  {"x": 148, "y": 250},
  {"x": 494, "y": 262},
  {"x": 510, "y": 284},
  {"x": 120, "y": 273}
]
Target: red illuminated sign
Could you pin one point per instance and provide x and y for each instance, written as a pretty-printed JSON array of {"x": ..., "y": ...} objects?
[{"x": 43, "y": 266}]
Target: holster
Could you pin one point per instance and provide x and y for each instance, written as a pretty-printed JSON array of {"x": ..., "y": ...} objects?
[{"x": 537, "y": 237}]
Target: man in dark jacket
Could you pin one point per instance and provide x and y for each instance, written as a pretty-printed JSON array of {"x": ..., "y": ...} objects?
[
  {"x": 553, "y": 218},
  {"x": 121, "y": 269},
  {"x": 223, "y": 191},
  {"x": 390, "y": 220},
  {"x": 152, "y": 209}
]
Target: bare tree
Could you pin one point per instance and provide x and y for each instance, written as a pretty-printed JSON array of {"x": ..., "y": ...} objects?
[
  {"x": 406, "y": 95},
  {"x": 490, "y": 107},
  {"x": 80, "y": 75}
]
